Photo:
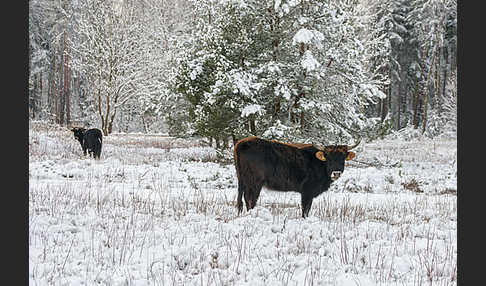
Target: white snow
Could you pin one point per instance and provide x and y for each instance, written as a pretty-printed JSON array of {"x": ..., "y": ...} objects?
[
  {"x": 371, "y": 90},
  {"x": 160, "y": 211},
  {"x": 195, "y": 71},
  {"x": 308, "y": 62},
  {"x": 307, "y": 36},
  {"x": 251, "y": 109}
]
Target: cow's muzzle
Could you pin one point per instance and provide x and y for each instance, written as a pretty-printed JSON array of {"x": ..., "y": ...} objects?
[{"x": 335, "y": 175}]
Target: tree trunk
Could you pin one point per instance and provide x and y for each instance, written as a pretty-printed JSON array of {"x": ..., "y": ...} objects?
[
  {"x": 66, "y": 88},
  {"x": 225, "y": 142},
  {"x": 302, "y": 120},
  {"x": 384, "y": 102},
  {"x": 274, "y": 23},
  {"x": 437, "y": 89},
  {"x": 63, "y": 82},
  {"x": 49, "y": 94},
  {"x": 398, "y": 106},
  {"x": 423, "y": 90},
  {"x": 426, "y": 103},
  {"x": 33, "y": 98},
  {"x": 427, "y": 91},
  {"x": 379, "y": 108},
  {"x": 62, "y": 98},
  {"x": 384, "y": 107},
  {"x": 110, "y": 128},
  {"x": 110, "y": 123},
  {"x": 415, "y": 109},
  {"x": 40, "y": 91},
  {"x": 100, "y": 113},
  {"x": 444, "y": 81},
  {"x": 389, "y": 102},
  {"x": 54, "y": 75},
  {"x": 252, "y": 127},
  {"x": 107, "y": 114},
  {"x": 145, "y": 129},
  {"x": 79, "y": 88}
]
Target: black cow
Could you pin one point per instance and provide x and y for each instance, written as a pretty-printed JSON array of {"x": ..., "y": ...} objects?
[
  {"x": 91, "y": 140},
  {"x": 297, "y": 167}
]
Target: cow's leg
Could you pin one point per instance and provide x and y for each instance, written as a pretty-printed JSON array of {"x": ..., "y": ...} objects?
[
  {"x": 248, "y": 184},
  {"x": 84, "y": 146},
  {"x": 239, "y": 200},
  {"x": 256, "y": 193},
  {"x": 247, "y": 194},
  {"x": 252, "y": 191},
  {"x": 306, "y": 201},
  {"x": 98, "y": 152}
]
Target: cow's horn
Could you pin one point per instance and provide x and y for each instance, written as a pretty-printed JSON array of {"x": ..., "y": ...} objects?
[
  {"x": 319, "y": 147},
  {"x": 353, "y": 146}
]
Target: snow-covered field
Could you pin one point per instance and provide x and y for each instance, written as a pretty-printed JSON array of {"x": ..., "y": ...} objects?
[{"x": 159, "y": 211}]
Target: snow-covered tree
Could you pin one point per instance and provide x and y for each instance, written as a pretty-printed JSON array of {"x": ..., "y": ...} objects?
[
  {"x": 302, "y": 70},
  {"x": 212, "y": 79},
  {"x": 344, "y": 82},
  {"x": 163, "y": 27},
  {"x": 420, "y": 58},
  {"x": 118, "y": 50},
  {"x": 48, "y": 27},
  {"x": 38, "y": 54},
  {"x": 293, "y": 69},
  {"x": 434, "y": 28}
]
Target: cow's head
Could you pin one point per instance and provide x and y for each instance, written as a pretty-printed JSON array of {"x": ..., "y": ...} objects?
[
  {"x": 335, "y": 156},
  {"x": 78, "y": 133}
]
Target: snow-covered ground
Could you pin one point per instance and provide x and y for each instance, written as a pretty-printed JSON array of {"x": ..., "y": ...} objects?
[{"x": 160, "y": 211}]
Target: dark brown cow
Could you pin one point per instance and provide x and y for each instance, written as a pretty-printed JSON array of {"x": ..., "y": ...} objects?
[
  {"x": 298, "y": 167},
  {"x": 91, "y": 140}
]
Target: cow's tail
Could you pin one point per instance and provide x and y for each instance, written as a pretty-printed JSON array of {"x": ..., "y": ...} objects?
[
  {"x": 100, "y": 143},
  {"x": 236, "y": 156}
]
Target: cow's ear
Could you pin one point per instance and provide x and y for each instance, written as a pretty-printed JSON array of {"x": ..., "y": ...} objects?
[
  {"x": 320, "y": 156},
  {"x": 350, "y": 155}
]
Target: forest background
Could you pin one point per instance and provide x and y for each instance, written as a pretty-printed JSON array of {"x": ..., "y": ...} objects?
[{"x": 225, "y": 69}]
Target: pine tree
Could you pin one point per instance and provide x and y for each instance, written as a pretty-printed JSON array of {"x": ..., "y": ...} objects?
[{"x": 279, "y": 69}]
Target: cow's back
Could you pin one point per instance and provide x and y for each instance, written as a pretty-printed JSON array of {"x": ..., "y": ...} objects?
[
  {"x": 93, "y": 139},
  {"x": 281, "y": 166},
  {"x": 93, "y": 135}
]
